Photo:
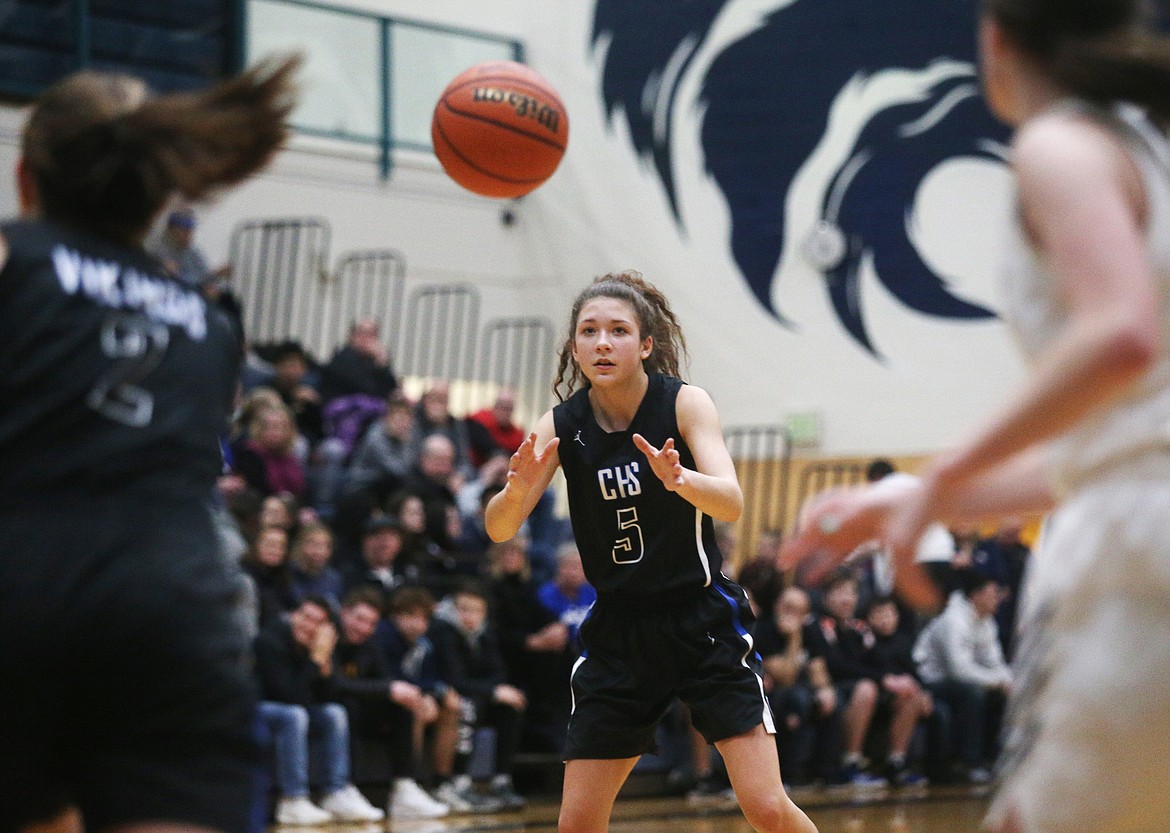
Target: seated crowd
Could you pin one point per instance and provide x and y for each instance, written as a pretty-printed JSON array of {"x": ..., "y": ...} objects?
[{"x": 398, "y": 648}]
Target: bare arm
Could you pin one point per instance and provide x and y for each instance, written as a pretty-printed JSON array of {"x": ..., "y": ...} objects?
[
  {"x": 1083, "y": 207},
  {"x": 712, "y": 487},
  {"x": 529, "y": 473}
]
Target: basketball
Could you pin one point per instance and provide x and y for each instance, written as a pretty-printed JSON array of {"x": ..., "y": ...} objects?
[{"x": 499, "y": 129}]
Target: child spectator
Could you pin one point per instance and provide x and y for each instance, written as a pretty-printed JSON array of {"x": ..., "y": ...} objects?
[
  {"x": 534, "y": 643},
  {"x": 411, "y": 656},
  {"x": 802, "y": 696},
  {"x": 889, "y": 652},
  {"x": 310, "y": 570},
  {"x": 840, "y": 639},
  {"x": 384, "y": 710},
  {"x": 294, "y": 662},
  {"x": 469, "y": 655},
  {"x": 266, "y": 561}
]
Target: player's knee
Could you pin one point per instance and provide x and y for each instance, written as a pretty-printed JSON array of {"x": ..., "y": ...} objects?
[
  {"x": 865, "y": 692},
  {"x": 576, "y": 820},
  {"x": 768, "y": 812}
]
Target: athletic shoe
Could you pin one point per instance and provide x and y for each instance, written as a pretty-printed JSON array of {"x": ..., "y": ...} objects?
[
  {"x": 503, "y": 790},
  {"x": 410, "y": 801},
  {"x": 347, "y": 804},
  {"x": 978, "y": 776},
  {"x": 300, "y": 811},
  {"x": 903, "y": 776},
  {"x": 859, "y": 779},
  {"x": 461, "y": 797}
]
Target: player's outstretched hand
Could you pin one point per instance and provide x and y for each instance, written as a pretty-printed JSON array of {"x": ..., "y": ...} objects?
[
  {"x": 832, "y": 525},
  {"x": 664, "y": 462},
  {"x": 527, "y": 466},
  {"x": 835, "y": 523}
]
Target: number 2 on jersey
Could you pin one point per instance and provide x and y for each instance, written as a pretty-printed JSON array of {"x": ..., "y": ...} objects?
[
  {"x": 137, "y": 344},
  {"x": 628, "y": 550}
]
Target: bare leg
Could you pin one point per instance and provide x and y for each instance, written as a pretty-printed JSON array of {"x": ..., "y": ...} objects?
[
  {"x": 907, "y": 711},
  {"x": 444, "y": 742},
  {"x": 69, "y": 821},
  {"x": 754, "y": 768},
  {"x": 859, "y": 714},
  {"x": 591, "y": 786}
]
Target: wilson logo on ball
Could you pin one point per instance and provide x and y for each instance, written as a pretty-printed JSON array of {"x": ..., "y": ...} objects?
[
  {"x": 499, "y": 129},
  {"x": 524, "y": 105}
]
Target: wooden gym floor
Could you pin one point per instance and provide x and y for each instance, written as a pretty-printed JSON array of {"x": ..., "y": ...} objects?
[{"x": 936, "y": 810}]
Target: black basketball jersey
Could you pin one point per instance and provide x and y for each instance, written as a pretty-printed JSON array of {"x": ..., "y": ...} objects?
[
  {"x": 634, "y": 535},
  {"x": 112, "y": 374}
]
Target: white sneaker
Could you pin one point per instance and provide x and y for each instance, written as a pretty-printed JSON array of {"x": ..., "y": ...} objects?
[
  {"x": 300, "y": 811},
  {"x": 347, "y": 804},
  {"x": 410, "y": 801}
]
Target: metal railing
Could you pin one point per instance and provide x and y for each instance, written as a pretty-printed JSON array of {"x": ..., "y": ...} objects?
[{"x": 279, "y": 266}]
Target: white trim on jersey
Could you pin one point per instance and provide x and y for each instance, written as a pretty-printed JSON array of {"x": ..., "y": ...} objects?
[
  {"x": 572, "y": 693},
  {"x": 769, "y": 722},
  {"x": 699, "y": 547}
]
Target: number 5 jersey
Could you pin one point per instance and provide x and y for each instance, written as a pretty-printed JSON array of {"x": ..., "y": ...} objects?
[{"x": 634, "y": 535}]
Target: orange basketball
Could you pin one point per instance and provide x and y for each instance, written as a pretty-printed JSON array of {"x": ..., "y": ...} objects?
[{"x": 499, "y": 129}]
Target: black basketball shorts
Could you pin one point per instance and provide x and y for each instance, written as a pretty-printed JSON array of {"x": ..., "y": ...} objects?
[
  {"x": 124, "y": 689},
  {"x": 640, "y": 652}
]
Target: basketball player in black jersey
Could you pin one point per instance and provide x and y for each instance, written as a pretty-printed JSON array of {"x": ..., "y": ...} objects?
[
  {"x": 124, "y": 700},
  {"x": 647, "y": 470}
]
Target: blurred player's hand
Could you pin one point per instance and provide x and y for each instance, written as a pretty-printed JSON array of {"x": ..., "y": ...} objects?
[{"x": 834, "y": 524}]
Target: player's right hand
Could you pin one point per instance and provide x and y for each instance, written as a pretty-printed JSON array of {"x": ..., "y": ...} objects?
[{"x": 527, "y": 466}]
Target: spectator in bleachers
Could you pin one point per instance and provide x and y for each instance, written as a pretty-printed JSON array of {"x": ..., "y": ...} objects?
[
  {"x": 474, "y": 540},
  {"x": 311, "y": 572},
  {"x": 432, "y": 479},
  {"x": 386, "y": 453},
  {"x": 803, "y": 698},
  {"x": 961, "y": 662},
  {"x": 402, "y": 638},
  {"x": 534, "y": 643},
  {"x": 762, "y": 580},
  {"x": 432, "y": 415},
  {"x": 278, "y": 510},
  {"x": 567, "y": 595},
  {"x": 492, "y": 431},
  {"x": 294, "y": 663},
  {"x": 290, "y": 369},
  {"x": 175, "y": 248},
  {"x": 839, "y": 637},
  {"x": 469, "y": 655},
  {"x": 361, "y": 367},
  {"x": 381, "y": 546},
  {"x": 889, "y": 652},
  {"x": 384, "y": 710},
  {"x": 267, "y": 459},
  {"x": 1004, "y": 557},
  {"x": 267, "y": 563}
]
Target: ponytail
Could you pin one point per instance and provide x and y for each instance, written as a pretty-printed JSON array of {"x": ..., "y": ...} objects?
[
  {"x": 1100, "y": 50},
  {"x": 654, "y": 317},
  {"x": 106, "y": 156},
  {"x": 1133, "y": 66}
]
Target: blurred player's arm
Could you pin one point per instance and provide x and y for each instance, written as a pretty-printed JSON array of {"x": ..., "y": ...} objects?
[{"x": 530, "y": 470}]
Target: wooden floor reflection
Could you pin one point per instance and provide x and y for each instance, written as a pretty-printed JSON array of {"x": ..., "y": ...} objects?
[{"x": 946, "y": 810}]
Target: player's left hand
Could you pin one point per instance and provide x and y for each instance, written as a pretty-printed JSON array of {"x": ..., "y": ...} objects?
[
  {"x": 664, "y": 462},
  {"x": 905, "y": 525}
]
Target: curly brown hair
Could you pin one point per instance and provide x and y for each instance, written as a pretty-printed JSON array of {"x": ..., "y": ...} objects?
[{"x": 653, "y": 315}]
